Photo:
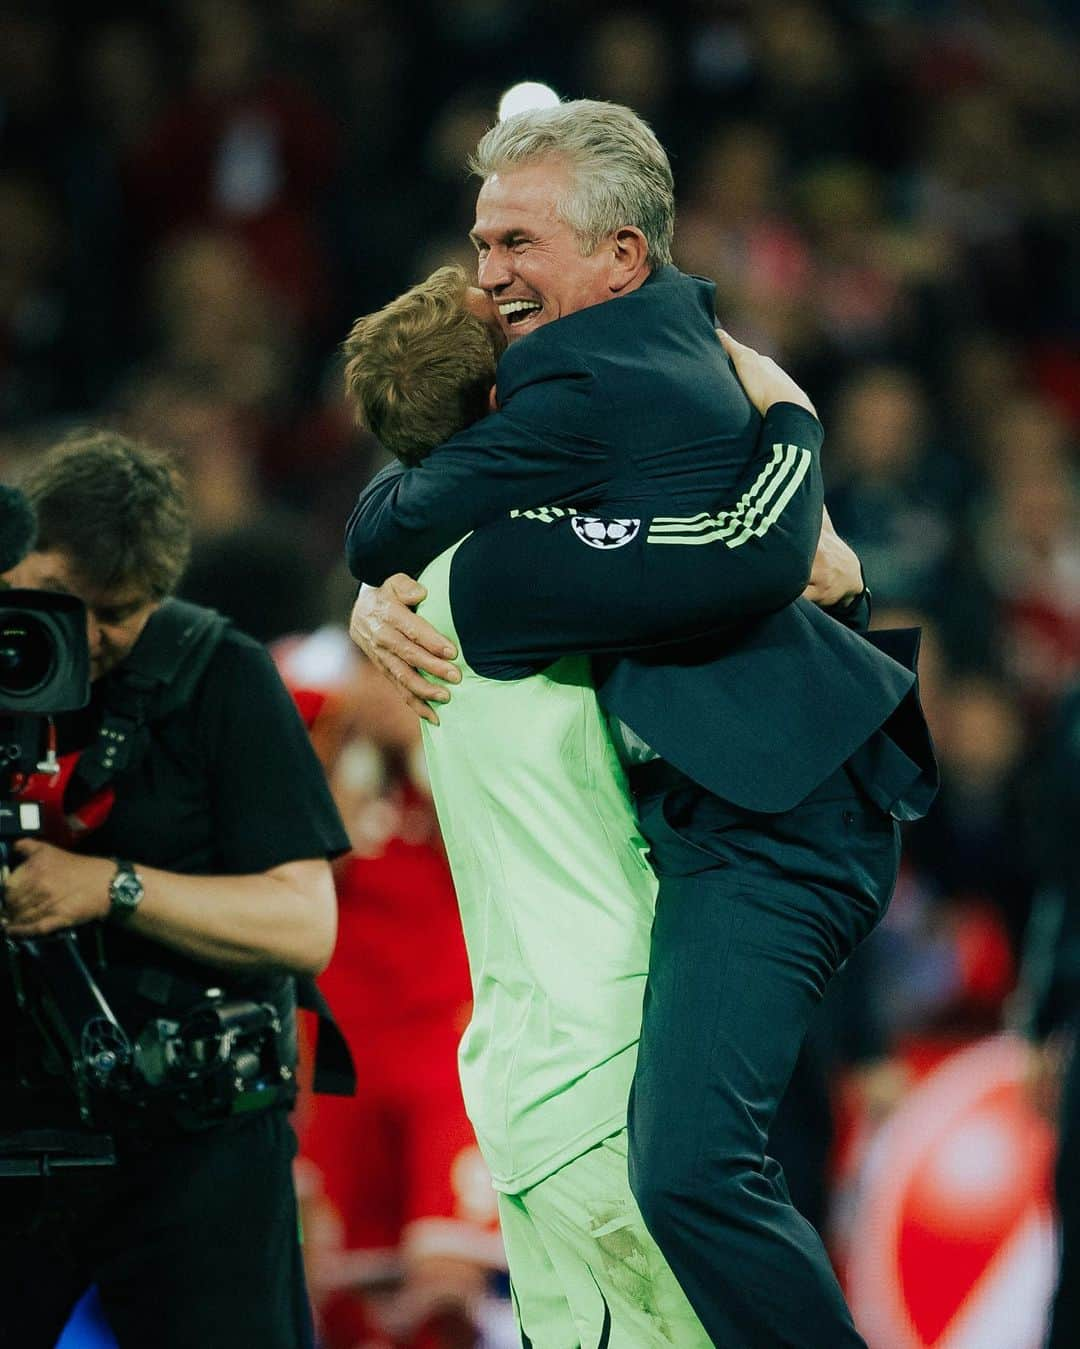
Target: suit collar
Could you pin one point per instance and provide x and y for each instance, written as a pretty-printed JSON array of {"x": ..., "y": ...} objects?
[{"x": 666, "y": 291}]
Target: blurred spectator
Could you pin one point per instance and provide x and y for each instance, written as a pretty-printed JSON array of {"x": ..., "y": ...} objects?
[
  {"x": 896, "y": 493},
  {"x": 972, "y": 845},
  {"x": 39, "y": 372},
  {"x": 246, "y": 574},
  {"x": 214, "y": 321},
  {"x": 947, "y": 948},
  {"x": 732, "y": 229},
  {"x": 1051, "y": 995},
  {"x": 984, "y": 371},
  {"x": 122, "y": 81},
  {"x": 122, "y": 85},
  {"x": 807, "y": 81},
  {"x": 245, "y": 149},
  {"x": 34, "y": 97},
  {"x": 1028, "y": 545},
  {"x": 212, "y": 438},
  {"x": 626, "y": 58},
  {"x": 446, "y": 198},
  {"x": 870, "y": 273}
]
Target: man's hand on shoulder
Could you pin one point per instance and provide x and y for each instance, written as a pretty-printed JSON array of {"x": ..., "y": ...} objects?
[
  {"x": 762, "y": 379},
  {"x": 836, "y": 577},
  {"x": 402, "y": 645}
]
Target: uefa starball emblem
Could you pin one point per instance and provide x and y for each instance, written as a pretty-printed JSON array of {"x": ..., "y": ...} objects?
[{"x": 604, "y": 533}]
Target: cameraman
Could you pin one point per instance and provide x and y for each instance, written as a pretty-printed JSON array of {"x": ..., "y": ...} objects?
[{"x": 223, "y": 825}]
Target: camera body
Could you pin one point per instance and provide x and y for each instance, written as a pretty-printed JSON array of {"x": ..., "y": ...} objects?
[
  {"x": 219, "y": 1056},
  {"x": 214, "y": 1055}
]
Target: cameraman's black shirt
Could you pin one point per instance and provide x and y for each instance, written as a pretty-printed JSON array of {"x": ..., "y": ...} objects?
[{"x": 227, "y": 785}]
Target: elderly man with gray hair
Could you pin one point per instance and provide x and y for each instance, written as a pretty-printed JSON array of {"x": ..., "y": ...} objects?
[{"x": 770, "y": 763}]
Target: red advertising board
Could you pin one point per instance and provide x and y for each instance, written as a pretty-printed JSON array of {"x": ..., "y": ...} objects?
[{"x": 951, "y": 1238}]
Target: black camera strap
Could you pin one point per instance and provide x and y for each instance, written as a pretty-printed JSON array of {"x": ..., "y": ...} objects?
[
  {"x": 160, "y": 675},
  {"x": 335, "y": 1072}
]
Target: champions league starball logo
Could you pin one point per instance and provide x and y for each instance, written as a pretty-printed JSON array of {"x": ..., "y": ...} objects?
[{"x": 604, "y": 533}]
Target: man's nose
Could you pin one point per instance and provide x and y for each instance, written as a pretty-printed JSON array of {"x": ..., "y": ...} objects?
[{"x": 493, "y": 271}]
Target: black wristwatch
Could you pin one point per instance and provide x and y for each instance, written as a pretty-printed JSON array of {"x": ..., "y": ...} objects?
[{"x": 125, "y": 891}]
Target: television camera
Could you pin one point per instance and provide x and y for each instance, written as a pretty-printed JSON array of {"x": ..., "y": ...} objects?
[{"x": 217, "y": 1057}]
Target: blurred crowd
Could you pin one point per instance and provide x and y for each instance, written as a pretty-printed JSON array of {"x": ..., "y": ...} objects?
[{"x": 196, "y": 199}]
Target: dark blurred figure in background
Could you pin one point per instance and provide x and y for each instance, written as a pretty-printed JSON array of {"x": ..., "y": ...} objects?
[
  {"x": 947, "y": 950},
  {"x": 972, "y": 845},
  {"x": 1051, "y": 992},
  {"x": 893, "y": 492},
  {"x": 244, "y": 148},
  {"x": 39, "y": 362}
]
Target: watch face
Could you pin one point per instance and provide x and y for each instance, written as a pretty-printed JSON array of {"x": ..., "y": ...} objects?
[{"x": 126, "y": 890}]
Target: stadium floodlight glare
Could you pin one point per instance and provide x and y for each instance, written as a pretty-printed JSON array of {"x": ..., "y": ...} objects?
[{"x": 522, "y": 97}]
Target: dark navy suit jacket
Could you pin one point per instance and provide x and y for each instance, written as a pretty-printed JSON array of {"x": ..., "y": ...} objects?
[{"x": 631, "y": 409}]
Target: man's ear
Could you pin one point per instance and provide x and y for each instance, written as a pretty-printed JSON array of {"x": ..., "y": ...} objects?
[
  {"x": 629, "y": 259},
  {"x": 493, "y": 401}
]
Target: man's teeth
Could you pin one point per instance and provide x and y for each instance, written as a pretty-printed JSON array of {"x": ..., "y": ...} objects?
[{"x": 518, "y": 307}]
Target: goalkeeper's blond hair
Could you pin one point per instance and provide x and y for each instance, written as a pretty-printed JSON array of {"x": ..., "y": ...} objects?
[{"x": 421, "y": 368}]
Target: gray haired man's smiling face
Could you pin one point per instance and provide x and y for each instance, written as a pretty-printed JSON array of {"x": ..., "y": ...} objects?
[{"x": 529, "y": 260}]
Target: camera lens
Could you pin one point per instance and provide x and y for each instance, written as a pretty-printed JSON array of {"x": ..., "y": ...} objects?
[{"x": 27, "y": 655}]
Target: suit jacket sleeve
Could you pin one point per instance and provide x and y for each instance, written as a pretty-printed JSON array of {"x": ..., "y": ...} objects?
[
  {"x": 522, "y": 457},
  {"x": 854, "y": 613},
  {"x": 546, "y": 583}
]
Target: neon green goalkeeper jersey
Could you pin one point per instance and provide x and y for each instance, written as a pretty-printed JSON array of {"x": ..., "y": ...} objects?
[{"x": 556, "y": 901}]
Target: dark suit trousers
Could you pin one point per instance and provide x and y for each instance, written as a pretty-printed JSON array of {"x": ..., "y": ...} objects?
[{"x": 755, "y": 913}]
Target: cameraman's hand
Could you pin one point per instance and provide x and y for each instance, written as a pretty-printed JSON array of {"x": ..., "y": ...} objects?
[{"x": 52, "y": 889}]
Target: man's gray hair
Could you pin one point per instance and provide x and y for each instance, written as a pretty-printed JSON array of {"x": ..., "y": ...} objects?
[{"x": 620, "y": 172}]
